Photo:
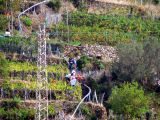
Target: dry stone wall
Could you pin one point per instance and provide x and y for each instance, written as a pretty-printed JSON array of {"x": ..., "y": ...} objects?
[{"x": 107, "y": 53}]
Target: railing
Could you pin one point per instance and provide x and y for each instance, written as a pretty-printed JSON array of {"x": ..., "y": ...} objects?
[
  {"x": 81, "y": 101},
  {"x": 28, "y": 10}
]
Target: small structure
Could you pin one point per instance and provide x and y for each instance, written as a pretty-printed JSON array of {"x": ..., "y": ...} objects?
[{"x": 7, "y": 34}]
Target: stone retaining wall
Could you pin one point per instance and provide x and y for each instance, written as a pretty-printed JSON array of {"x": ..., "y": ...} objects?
[{"x": 106, "y": 53}]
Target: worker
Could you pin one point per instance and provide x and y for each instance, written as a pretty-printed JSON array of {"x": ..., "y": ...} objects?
[
  {"x": 70, "y": 64},
  {"x": 74, "y": 71},
  {"x": 73, "y": 76},
  {"x": 74, "y": 62},
  {"x": 68, "y": 78},
  {"x": 73, "y": 80}
]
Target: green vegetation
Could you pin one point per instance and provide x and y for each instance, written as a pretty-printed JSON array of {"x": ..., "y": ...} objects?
[
  {"x": 18, "y": 44},
  {"x": 75, "y": 2},
  {"x": 7, "y": 5},
  {"x": 59, "y": 88},
  {"x": 3, "y": 67},
  {"x": 55, "y": 5},
  {"x": 86, "y": 111},
  {"x": 129, "y": 100},
  {"x": 26, "y": 21},
  {"x": 119, "y": 28},
  {"x": 58, "y": 69},
  {"x": 156, "y": 1},
  {"x": 3, "y": 22},
  {"x": 138, "y": 61},
  {"x": 52, "y": 110},
  {"x": 11, "y": 110},
  {"x": 89, "y": 63}
]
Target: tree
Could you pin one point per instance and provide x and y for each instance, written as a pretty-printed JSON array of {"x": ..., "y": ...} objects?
[
  {"x": 139, "y": 61},
  {"x": 130, "y": 65},
  {"x": 129, "y": 100}
]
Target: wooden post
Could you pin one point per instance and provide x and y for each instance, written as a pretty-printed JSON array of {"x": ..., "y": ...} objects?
[
  {"x": 50, "y": 94},
  {"x": 96, "y": 96},
  {"x": 67, "y": 28},
  {"x": 102, "y": 98},
  {"x": 62, "y": 35},
  {"x": 89, "y": 97},
  {"x": 56, "y": 29},
  {"x": 141, "y": 2},
  {"x": 13, "y": 94},
  {"x": 2, "y": 93},
  {"x": 14, "y": 74},
  {"x": 23, "y": 75},
  {"x": 25, "y": 94}
]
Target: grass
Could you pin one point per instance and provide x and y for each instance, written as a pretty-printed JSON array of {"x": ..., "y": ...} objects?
[{"x": 146, "y": 6}]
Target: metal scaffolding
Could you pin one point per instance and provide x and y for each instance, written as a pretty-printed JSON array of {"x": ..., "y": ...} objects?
[{"x": 42, "y": 90}]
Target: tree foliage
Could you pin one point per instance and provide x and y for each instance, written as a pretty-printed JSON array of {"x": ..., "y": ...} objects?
[
  {"x": 7, "y": 5},
  {"x": 3, "y": 22},
  {"x": 129, "y": 100},
  {"x": 55, "y": 5},
  {"x": 139, "y": 61},
  {"x": 3, "y": 66}
]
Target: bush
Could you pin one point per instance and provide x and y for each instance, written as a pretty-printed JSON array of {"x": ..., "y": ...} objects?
[
  {"x": 55, "y": 5},
  {"x": 3, "y": 22},
  {"x": 11, "y": 104},
  {"x": 156, "y": 1},
  {"x": 85, "y": 110},
  {"x": 3, "y": 67},
  {"x": 75, "y": 2},
  {"x": 89, "y": 63},
  {"x": 129, "y": 100},
  {"x": 139, "y": 61},
  {"x": 17, "y": 114},
  {"x": 26, "y": 21},
  {"x": 12, "y": 110},
  {"x": 82, "y": 62},
  {"x": 51, "y": 111}
]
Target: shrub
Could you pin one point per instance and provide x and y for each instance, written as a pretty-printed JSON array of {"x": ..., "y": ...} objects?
[
  {"x": 75, "y": 2},
  {"x": 26, "y": 21},
  {"x": 55, "y": 5},
  {"x": 17, "y": 114},
  {"x": 85, "y": 110},
  {"x": 3, "y": 22},
  {"x": 89, "y": 63},
  {"x": 3, "y": 67},
  {"x": 11, "y": 104},
  {"x": 82, "y": 62},
  {"x": 156, "y": 1},
  {"x": 129, "y": 100},
  {"x": 139, "y": 61},
  {"x": 12, "y": 110}
]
